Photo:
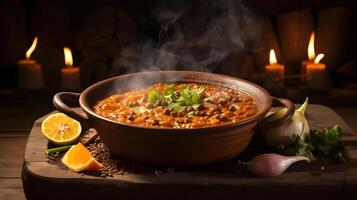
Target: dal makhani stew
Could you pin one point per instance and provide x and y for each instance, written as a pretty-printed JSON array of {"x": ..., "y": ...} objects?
[{"x": 178, "y": 105}]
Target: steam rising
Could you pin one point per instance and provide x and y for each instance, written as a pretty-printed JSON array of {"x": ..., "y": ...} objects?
[{"x": 195, "y": 35}]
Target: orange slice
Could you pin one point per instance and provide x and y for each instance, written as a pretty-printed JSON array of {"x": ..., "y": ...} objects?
[
  {"x": 78, "y": 158},
  {"x": 61, "y": 129}
]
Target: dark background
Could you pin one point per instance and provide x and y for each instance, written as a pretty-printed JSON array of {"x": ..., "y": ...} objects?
[{"x": 66, "y": 23}]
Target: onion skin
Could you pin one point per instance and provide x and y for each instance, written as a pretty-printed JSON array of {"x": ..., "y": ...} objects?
[{"x": 271, "y": 164}]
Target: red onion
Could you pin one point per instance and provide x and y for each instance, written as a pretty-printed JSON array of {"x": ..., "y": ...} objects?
[{"x": 270, "y": 164}]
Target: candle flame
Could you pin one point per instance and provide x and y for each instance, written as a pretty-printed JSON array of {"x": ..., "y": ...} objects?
[
  {"x": 272, "y": 58},
  {"x": 68, "y": 59},
  {"x": 318, "y": 58},
  {"x": 311, "y": 47},
  {"x": 32, "y": 48}
]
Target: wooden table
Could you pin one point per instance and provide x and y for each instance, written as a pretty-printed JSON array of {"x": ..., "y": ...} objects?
[
  {"x": 19, "y": 109},
  {"x": 302, "y": 181}
]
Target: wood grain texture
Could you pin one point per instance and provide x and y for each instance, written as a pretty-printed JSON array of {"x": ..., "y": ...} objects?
[
  {"x": 12, "y": 147},
  {"x": 12, "y": 194},
  {"x": 11, "y": 156},
  {"x": 10, "y": 183},
  {"x": 349, "y": 115}
]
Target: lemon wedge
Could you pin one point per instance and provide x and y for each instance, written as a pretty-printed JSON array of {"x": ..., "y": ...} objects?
[{"x": 61, "y": 129}]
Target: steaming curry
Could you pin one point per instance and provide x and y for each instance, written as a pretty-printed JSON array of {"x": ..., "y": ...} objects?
[{"x": 179, "y": 105}]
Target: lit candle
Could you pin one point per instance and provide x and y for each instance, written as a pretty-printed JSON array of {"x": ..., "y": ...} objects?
[
  {"x": 70, "y": 74},
  {"x": 310, "y": 54},
  {"x": 29, "y": 71},
  {"x": 274, "y": 72},
  {"x": 316, "y": 73}
]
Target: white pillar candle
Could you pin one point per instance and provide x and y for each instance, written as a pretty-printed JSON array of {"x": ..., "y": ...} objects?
[
  {"x": 29, "y": 72},
  {"x": 274, "y": 73},
  {"x": 30, "y": 75},
  {"x": 70, "y": 76},
  {"x": 316, "y": 75},
  {"x": 313, "y": 72}
]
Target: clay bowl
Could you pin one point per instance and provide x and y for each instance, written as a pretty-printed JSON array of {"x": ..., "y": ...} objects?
[{"x": 168, "y": 146}]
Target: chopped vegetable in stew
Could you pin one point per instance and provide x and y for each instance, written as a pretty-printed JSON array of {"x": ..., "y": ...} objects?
[{"x": 178, "y": 105}]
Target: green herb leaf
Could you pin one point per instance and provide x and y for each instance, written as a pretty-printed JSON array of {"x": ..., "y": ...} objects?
[
  {"x": 180, "y": 99},
  {"x": 195, "y": 99},
  {"x": 169, "y": 90},
  {"x": 325, "y": 142},
  {"x": 298, "y": 147},
  {"x": 154, "y": 95},
  {"x": 169, "y": 93},
  {"x": 176, "y": 106},
  {"x": 191, "y": 114},
  {"x": 190, "y": 96},
  {"x": 58, "y": 149}
]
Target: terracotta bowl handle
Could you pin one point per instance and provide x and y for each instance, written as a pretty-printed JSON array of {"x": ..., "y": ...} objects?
[
  {"x": 58, "y": 102},
  {"x": 280, "y": 116}
]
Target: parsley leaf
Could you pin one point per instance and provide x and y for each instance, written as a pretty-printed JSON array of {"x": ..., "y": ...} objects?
[
  {"x": 154, "y": 95},
  {"x": 190, "y": 96},
  {"x": 176, "y": 106},
  {"x": 298, "y": 147},
  {"x": 325, "y": 142},
  {"x": 180, "y": 99}
]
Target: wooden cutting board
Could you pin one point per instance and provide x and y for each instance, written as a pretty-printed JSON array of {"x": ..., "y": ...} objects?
[{"x": 42, "y": 180}]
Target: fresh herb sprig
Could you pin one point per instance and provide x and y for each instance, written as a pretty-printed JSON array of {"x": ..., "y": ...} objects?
[
  {"x": 185, "y": 96},
  {"x": 326, "y": 142},
  {"x": 58, "y": 149}
]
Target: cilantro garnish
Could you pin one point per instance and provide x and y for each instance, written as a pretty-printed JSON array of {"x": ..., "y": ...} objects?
[
  {"x": 154, "y": 95},
  {"x": 325, "y": 142},
  {"x": 185, "y": 96},
  {"x": 169, "y": 92},
  {"x": 190, "y": 96}
]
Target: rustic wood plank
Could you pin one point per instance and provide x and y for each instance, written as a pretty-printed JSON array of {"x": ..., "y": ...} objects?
[
  {"x": 35, "y": 152},
  {"x": 349, "y": 115},
  {"x": 35, "y": 159},
  {"x": 331, "y": 183},
  {"x": 10, "y": 183},
  {"x": 12, "y": 143},
  {"x": 11, "y": 171},
  {"x": 11, "y": 156},
  {"x": 12, "y": 193}
]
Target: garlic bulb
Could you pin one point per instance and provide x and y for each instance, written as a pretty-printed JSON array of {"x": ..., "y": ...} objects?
[
  {"x": 283, "y": 134},
  {"x": 271, "y": 164}
]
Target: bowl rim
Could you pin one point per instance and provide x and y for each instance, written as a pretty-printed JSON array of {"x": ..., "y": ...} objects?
[{"x": 259, "y": 115}]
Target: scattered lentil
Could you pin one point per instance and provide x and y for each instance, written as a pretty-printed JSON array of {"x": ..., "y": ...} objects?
[{"x": 53, "y": 157}]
